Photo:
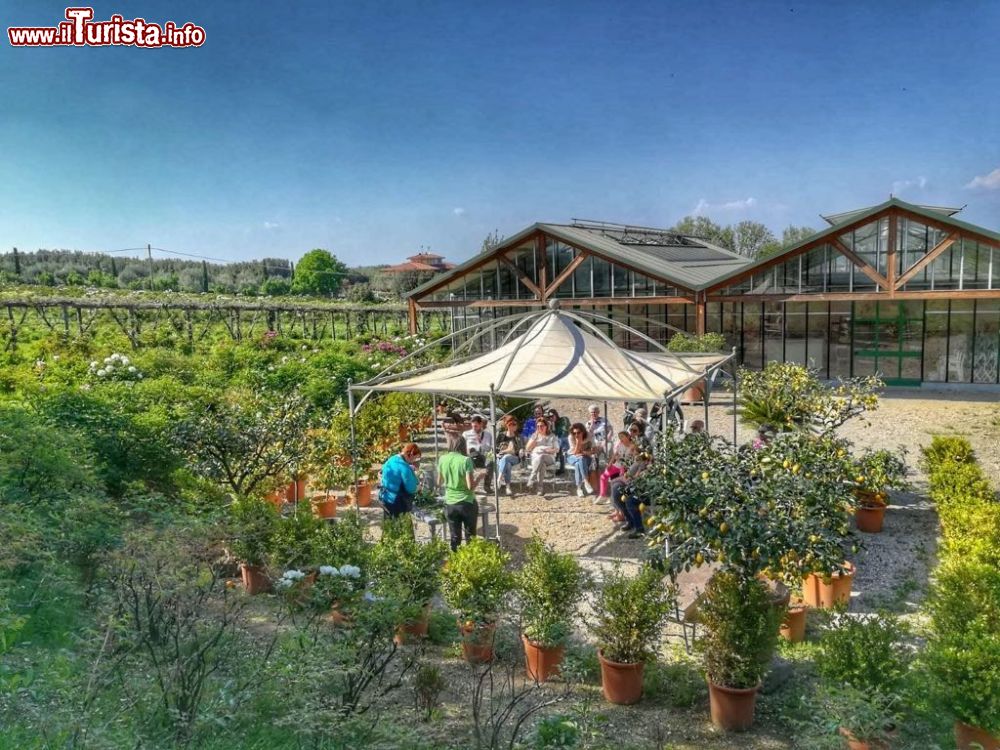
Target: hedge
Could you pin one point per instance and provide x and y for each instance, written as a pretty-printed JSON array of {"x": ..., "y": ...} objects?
[{"x": 963, "y": 652}]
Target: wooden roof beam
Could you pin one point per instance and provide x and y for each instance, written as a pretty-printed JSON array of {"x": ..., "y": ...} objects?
[
  {"x": 862, "y": 264},
  {"x": 565, "y": 274},
  {"x": 929, "y": 258}
]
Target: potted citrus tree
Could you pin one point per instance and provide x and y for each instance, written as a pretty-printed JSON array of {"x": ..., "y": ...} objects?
[
  {"x": 877, "y": 472},
  {"x": 475, "y": 582},
  {"x": 627, "y": 621},
  {"x": 549, "y": 586},
  {"x": 706, "y": 343},
  {"x": 255, "y": 522},
  {"x": 408, "y": 572}
]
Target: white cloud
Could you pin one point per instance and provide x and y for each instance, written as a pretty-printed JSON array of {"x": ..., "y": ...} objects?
[
  {"x": 901, "y": 186},
  {"x": 704, "y": 206},
  {"x": 989, "y": 181},
  {"x": 458, "y": 211},
  {"x": 271, "y": 225}
]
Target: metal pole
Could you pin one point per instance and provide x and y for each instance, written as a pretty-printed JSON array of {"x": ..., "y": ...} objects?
[
  {"x": 708, "y": 393},
  {"x": 736, "y": 387},
  {"x": 354, "y": 445},
  {"x": 437, "y": 448},
  {"x": 496, "y": 478}
]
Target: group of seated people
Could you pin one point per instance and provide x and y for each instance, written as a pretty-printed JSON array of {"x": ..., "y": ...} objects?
[{"x": 473, "y": 456}]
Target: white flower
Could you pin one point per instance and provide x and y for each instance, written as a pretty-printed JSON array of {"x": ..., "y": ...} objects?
[
  {"x": 101, "y": 373},
  {"x": 350, "y": 571},
  {"x": 293, "y": 575},
  {"x": 284, "y": 359},
  {"x": 284, "y": 583},
  {"x": 304, "y": 347},
  {"x": 139, "y": 376},
  {"x": 93, "y": 365},
  {"x": 124, "y": 360},
  {"x": 131, "y": 368},
  {"x": 108, "y": 360},
  {"x": 271, "y": 368},
  {"x": 328, "y": 570},
  {"x": 55, "y": 357}
]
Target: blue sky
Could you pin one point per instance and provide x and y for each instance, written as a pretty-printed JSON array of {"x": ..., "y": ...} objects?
[{"x": 374, "y": 128}]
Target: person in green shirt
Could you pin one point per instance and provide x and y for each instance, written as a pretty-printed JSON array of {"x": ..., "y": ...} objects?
[{"x": 455, "y": 474}]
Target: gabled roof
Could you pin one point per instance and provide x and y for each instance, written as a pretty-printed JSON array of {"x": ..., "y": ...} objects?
[
  {"x": 935, "y": 214},
  {"x": 681, "y": 260},
  {"x": 847, "y": 216}
]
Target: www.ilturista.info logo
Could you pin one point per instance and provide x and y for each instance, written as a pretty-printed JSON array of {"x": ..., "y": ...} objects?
[{"x": 80, "y": 30}]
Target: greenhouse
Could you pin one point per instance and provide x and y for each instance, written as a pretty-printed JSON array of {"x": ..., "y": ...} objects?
[{"x": 910, "y": 292}]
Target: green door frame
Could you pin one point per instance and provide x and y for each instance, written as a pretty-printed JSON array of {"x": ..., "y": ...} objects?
[{"x": 897, "y": 353}]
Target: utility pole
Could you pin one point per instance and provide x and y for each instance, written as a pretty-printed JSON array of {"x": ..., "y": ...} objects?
[
  {"x": 17, "y": 264},
  {"x": 149, "y": 255},
  {"x": 204, "y": 276}
]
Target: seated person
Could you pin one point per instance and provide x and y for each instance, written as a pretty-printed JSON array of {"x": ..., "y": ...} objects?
[
  {"x": 697, "y": 426},
  {"x": 560, "y": 428},
  {"x": 619, "y": 460},
  {"x": 479, "y": 444},
  {"x": 648, "y": 429},
  {"x": 508, "y": 452},
  {"x": 597, "y": 427},
  {"x": 624, "y": 502},
  {"x": 452, "y": 423},
  {"x": 531, "y": 423},
  {"x": 542, "y": 448},
  {"x": 580, "y": 457}
]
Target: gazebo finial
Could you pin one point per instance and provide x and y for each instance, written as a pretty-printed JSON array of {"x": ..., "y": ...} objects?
[{"x": 553, "y": 304}]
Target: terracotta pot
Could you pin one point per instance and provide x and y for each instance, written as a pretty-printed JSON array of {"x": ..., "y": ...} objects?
[
  {"x": 276, "y": 498},
  {"x": 732, "y": 708},
  {"x": 541, "y": 662},
  {"x": 696, "y": 393},
  {"x": 363, "y": 493},
  {"x": 414, "y": 631},
  {"x": 826, "y": 593},
  {"x": 338, "y": 616},
  {"x": 403, "y": 433},
  {"x": 793, "y": 628},
  {"x": 296, "y": 490},
  {"x": 255, "y": 580},
  {"x": 870, "y": 512},
  {"x": 477, "y": 641},
  {"x": 621, "y": 683},
  {"x": 324, "y": 505},
  {"x": 966, "y": 735},
  {"x": 853, "y": 743}
]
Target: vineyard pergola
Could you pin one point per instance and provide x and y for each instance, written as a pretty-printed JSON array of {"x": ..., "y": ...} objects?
[
  {"x": 76, "y": 317},
  {"x": 546, "y": 354}
]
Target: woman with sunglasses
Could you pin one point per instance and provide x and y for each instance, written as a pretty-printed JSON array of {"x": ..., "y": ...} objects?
[
  {"x": 543, "y": 447},
  {"x": 580, "y": 456}
]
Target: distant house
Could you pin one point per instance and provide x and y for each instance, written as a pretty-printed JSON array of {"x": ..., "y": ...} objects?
[{"x": 422, "y": 262}]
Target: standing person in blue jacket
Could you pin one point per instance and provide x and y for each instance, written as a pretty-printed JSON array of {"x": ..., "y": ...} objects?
[{"x": 399, "y": 481}]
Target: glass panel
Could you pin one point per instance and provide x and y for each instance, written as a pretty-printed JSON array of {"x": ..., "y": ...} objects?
[
  {"x": 753, "y": 345},
  {"x": 840, "y": 339},
  {"x": 507, "y": 288},
  {"x": 865, "y": 339},
  {"x": 621, "y": 281},
  {"x": 490, "y": 283},
  {"x": 795, "y": 333},
  {"x": 581, "y": 279},
  {"x": 773, "y": 326},
  {"x": 936, "y": 341},
  {"x": 817, "y": 326},
  {"x": 742, "y": 287},
  {"x": 814, "y": 268},
  {"x": 987, "y": 357},
  {"x": 730, "y": 327},
  {"x": 602, "y": 278},
  {"x": 975, "y": 265},
  {"x": 525, "y": 262},
  {"x": 840, "y": 272},
  {"x": 713, "y": 312},
  {"x": 960, "y": 342},
  {"x": 946, "y": 268}
]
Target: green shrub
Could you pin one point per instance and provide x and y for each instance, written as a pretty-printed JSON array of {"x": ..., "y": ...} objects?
[
  {"x": 475, "y": 580},
  {"x": 740, "y": 630},
  {"x": 963, "y": 650},
  {"x": 405, "y": 569},
  {"x": 254, "y": 523},
  {"x": 295, "y": 540},
  {"x": 707, "y": 342},
  {"x": 947, "y": 448},
  {"x": 344, "y": 541},
  {"x": 549, "y": 586},
  {"x": 629, "y": 612},
  {"x": 865, "y": 652}
]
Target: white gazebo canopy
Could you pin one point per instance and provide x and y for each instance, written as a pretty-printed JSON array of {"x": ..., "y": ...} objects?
[{"x": 560, "y": 355}]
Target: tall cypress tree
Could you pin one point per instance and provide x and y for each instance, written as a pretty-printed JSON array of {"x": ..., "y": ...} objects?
[
  {"x": 204, "y": 276},
  {"x": 17, "y": 264}
]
